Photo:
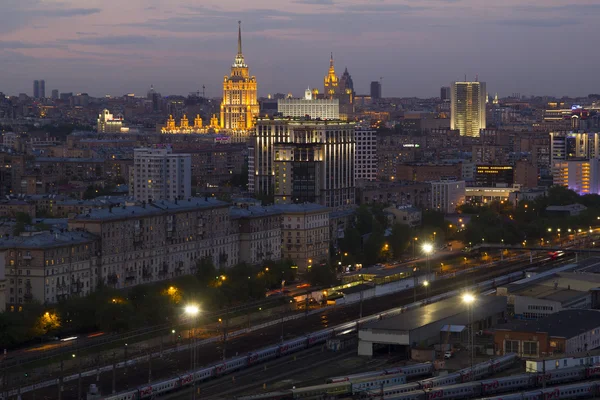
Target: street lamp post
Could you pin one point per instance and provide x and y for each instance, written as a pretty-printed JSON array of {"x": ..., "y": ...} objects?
[
  {"x": 469, "y": 299},
  {"x": 427, "y": 249},
  {"x": 413, "y": 246},
  {"x": 192, "y": 311}
]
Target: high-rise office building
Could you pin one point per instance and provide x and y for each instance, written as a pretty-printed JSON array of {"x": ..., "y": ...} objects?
[
  {"x": 42, "y": 89},
  {"x": 36, "y": 89},
  {"x": 240, "y": 105},
  {"x": 365, "y": 164},
  {"x": 158, "y": 174},
  {"x": 314, "y": 108},
  {"x": 467, "y": 107},
  {"x": 298, "y": 161},
  {"x": 375, "y": 90},
  {"x": 54, "y": 94},
  {"x": 445, "y": 93}
]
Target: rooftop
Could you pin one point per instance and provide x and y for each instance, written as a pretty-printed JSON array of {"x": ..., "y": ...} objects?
[
  {"x": 252, "y": 211},
  {"x": 299, "y": 208},
  {"x": 69, "y": 159},
  {"x": 565, "y": 323},
  {"x": 46, "y": 239},
  {"x": 155, "y": 208},
  {"x": 454, "y": 308}
]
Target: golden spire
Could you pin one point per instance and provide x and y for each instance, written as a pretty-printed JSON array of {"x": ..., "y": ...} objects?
[{"x": 239, "y": 58}]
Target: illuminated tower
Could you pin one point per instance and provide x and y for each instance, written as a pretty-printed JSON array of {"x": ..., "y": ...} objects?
[
  {"x": 467, "y": 107},
  {"x": 239, "y": 106},
  {"x": 330, "y": 82}
]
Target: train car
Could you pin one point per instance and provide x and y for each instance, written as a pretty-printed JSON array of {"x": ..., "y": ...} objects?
[
  {"x": 319, "y": 337},
  {"x": 367, "y": 384},
  {"x": 323, "y": 391},
  {"x": 130, "y": 395},
  {"x": 397, "y": 391},
  {"x": 361, "y": 375},
  {"x": 413, "y": 371},
  {"x": 411, "y": 395},
  {"x": 410, "y": 371},
  {"x": 566, "y": 392},
  {"x": 282, "y": 395},
  {"x": 293, "y": 345},
  {"x": 592, "y": 372},
  {"x": 462, "y": 391},
  {"x": 230, "y": 365},
  {"x": 562, "y": 375},
  {"x": 263, "y": 355},
  {"x": 507, "y": 384},
  {"x": 450, "y": 379}
]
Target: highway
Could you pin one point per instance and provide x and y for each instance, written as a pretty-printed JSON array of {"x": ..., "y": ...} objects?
[{"x": 176, "y": 363}]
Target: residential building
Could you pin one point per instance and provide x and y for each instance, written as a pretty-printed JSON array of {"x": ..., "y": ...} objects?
[
  {"x": 259, "y": 233},
  {"x": 159, "y": 174},
  {"x": 420, "y": 172},
  {"x": 240, "y": 105},
  {"x": 216, "y": 164},
  {"x": 445, "y": 93},
  {"x": 526, "y": 174},
  {"x": 298, "y": 160},
  {"x": 564, "y": 332},
  {"x": 308, "y": 106},
  {"x": 446, "y": 195},
  {"x": 401, "y": 193},
  {"x": 42, "y": 89},
  {"x": 107, "y": 123},
  {"x": 157, "y": 241},
  {"x": 467, "y": 107},
  {"x": 48, "y": 267},
  {"x": 582, "y": 176},
  {"x": 36, "y": 89},
  {"x": 304, "y": 233},
  {"x": 365, "y": 159},
  {"x": 405, "y": 215}
]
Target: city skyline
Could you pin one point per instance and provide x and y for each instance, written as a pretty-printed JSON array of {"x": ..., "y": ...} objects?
[{"x": 415, "y": 47}]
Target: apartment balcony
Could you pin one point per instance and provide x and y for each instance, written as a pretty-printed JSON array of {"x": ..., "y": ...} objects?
[{"x": 27, "y": 257}]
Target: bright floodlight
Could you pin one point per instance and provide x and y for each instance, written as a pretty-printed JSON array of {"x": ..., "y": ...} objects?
[
  {"x": 192, "y": 310},
  {"x": 426, "y": 283},
  {"x": 427, "y": 248},
  {"x": 468, "y": 298}
]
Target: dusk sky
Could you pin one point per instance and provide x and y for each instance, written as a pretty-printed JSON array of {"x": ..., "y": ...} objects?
[{"x": 120, "y": 46}]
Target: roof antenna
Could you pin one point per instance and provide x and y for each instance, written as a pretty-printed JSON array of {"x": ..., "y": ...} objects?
[
  {"x": 465, "y": 77},
  {"x": 477, "y": 78}
]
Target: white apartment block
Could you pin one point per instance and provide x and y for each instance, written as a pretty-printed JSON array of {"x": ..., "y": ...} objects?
[
  {"x": 159, "y": 174},
  {"x": 47, "y": 268},
  {"x": 314, "y": 108},
  {"x": 582, "y": 176},
  {"x": 304, "y": 233},
  {"x": 365, "y": 164},
  {"x": 447, "y": 195},
  {"x": 162, "y": 240}
]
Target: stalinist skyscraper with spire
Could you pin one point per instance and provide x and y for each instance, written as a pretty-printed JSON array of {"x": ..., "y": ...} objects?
[{"x": 239, "y": 106}]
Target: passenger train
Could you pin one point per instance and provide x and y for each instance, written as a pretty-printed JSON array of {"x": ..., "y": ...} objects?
[
  {"x": 300, "y": 343},
  {"x": 410, "y": 371},
  {"x": 487, "y": 387},
  {"x": 582, "y": 390}
]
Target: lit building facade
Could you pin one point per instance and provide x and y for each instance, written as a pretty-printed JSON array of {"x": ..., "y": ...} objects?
[
  {"x": 299, "y": 161},
  {"x": 314, "y": 108},
  {"x": 446, "y": 195},
  {"x": 107, "y": 123},
  {"x": 184, "y": 126},
  {"x": 365, "y": 164},
  {"x": 240, "y": 105},
  {"x": 158, "y": 174},
  {"x": 467, "y": 107},
  {"x": 582, "y": 176}
]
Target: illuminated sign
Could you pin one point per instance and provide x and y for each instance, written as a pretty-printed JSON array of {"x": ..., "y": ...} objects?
[{"x": 410, "y": 145}]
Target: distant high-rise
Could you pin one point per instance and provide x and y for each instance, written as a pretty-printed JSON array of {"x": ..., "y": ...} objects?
[
  {"x": 375, "y": 90},
  {"x": 36, "y": 89},
  {"x": 42, "y": 89},
  {"x": 445, "y": 93},
  {"x": 54, "y": 94},
  {"x": 158, "y": 174},
  {"x": 467, "y": 107},
  {"x": 240, "y": 105}
]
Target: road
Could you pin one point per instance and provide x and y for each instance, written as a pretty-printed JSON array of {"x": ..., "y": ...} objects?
[{"x": 176, "y": 363}]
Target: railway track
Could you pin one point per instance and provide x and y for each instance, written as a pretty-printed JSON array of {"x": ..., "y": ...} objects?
[{"x": 179, "y": 362}]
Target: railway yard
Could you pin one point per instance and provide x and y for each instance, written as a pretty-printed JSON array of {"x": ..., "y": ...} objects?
[{"x": 265, "y": 361}]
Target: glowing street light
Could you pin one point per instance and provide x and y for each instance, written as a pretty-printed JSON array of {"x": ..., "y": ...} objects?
[
  {"x": 468, "y": 298},
  {"x": 427, "y": 248},
  {"x": 426, "y": 283},
  {"x": 192, "y": 310}
]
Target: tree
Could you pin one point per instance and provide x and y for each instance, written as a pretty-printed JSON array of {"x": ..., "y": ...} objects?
[
  {"x": 205, "y": 270},
  {"x": 321, "y": 274},
  {"x": 399, "y": 239},
  {"x": 364, "y": 220}
]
